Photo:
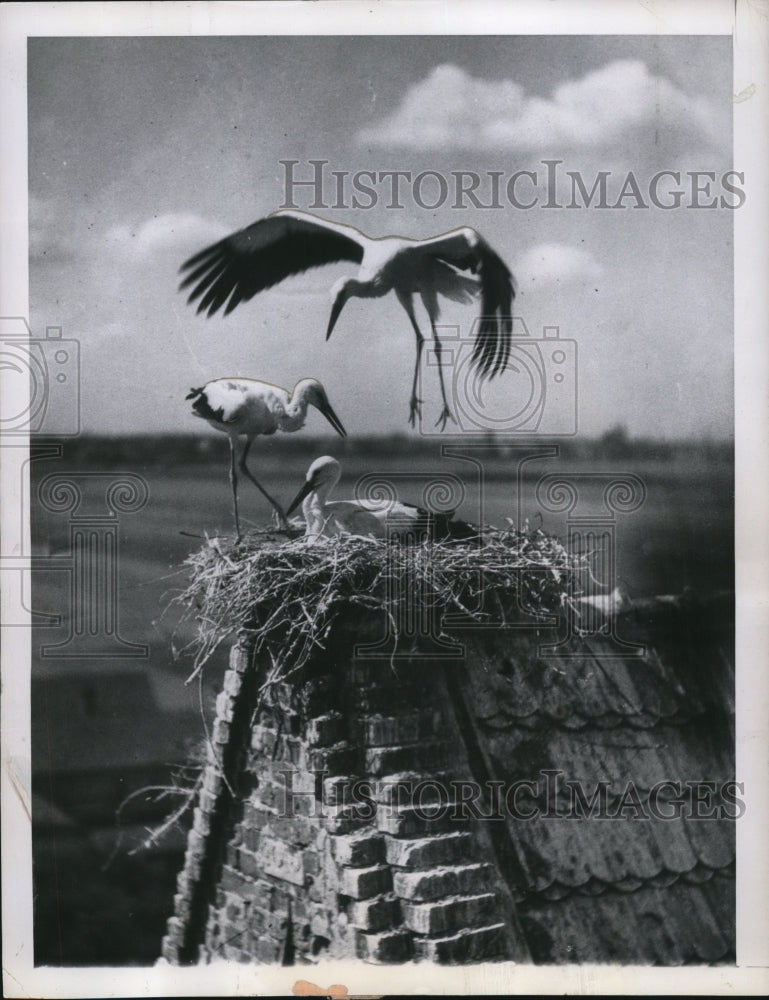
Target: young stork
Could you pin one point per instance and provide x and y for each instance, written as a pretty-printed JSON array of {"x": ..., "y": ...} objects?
[
  {"x": 406, "y": 522},
  {"x": 324, "y": 517},
  {"x": 289, "y": 242},
  {"x": 245, "y": 407}
]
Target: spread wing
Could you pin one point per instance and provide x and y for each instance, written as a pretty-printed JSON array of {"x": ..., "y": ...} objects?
[
  {"x": 467, "y": 250},
  {"x": 263, "y": 254}
]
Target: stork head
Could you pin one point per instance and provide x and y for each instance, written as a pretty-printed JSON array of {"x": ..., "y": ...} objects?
[
  {"x": 312, "y": 391},
  {"x": 340, "y": 293},
  {"x": 322, "y": 476}
]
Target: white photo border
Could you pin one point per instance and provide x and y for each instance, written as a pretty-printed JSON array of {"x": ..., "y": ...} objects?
[{"x": 748, "y": 22}]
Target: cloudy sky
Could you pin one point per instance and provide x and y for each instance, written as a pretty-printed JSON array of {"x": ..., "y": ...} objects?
[{"x": 141, "y": 151}]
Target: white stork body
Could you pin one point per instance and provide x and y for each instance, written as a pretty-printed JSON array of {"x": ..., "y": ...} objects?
[
  {"x": 290, "y": 242},
  {"x": 324, "y": 518},
  {"x": 245, "y": 407},
  {"x": 388, "y": 519}
]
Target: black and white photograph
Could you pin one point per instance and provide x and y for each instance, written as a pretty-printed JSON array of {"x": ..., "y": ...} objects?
[{"x": 383, "y": 447}]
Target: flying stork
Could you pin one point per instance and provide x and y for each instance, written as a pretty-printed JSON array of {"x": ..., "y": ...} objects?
[
  {"x": 289, "y": 242},
  {"x": 398, "y": 521},
  {"x": 246, "y": 407}
]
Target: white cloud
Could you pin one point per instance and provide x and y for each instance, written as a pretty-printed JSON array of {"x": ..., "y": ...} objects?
[
  {"x": 451, "y": 109},
  {"x": 556, "y": 263},
  {"x": 183, "y": 232}
]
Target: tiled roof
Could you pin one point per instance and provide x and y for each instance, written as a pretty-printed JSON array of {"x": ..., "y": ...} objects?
[
  {"x": 634, "y": 885},
  {"x": 686, "y": 671},
  {"x": 650, "y": 925}
]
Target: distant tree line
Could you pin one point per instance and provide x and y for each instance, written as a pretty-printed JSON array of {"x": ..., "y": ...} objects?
[{"x": 179, "y": 450}]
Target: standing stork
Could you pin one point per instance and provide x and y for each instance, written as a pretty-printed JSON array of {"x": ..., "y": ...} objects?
[
  {"x": 245, "y": 407},
  {"x": 289, "y": 242}
]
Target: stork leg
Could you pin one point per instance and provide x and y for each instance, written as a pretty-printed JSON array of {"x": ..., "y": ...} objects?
[
  {"x": 416, "y": 402},
  {"x": 282, "y": 520},
  {"x": 446, "y": 413},
  {"x": 234, "y": 486}
]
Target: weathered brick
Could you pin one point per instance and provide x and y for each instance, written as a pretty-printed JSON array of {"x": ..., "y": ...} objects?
[
  {"x": 340, "y": 758},
  {"x": 361, "y": 883},
  {"x": 240, "y": 658},
  {"x": 270, "y": 795},
  {"x": 409, "y": 727},
  {"x": 310, "y": 862},
  {"x": 480, "y": 944},
  {"x": 212, "y": 781},
  {"x": 297, "y": 829},
  {"x": 225, "y": 900},
  {"x": 345, "y": 819},
  {"x": 309, "y": 699},
  {"x": 405, "y": 788},
  {"x": 220, "y": 732},
  {"x": 273, "y": 897},
  {"x": 181, "y": 907},
  {"x": 250, "y": 838},
  {"x": 291, "y": 748},
  {"x": 264, "y": 739},
  {"x": 233, "y": 952},
  {"x": 427, "y": 852},
  {"x": 201, "y": 822},
  {"x": 196, "y": 844},
  {"x": 232, "y": 682},
  {"x": 449, "y": 881},
  {"x": 266, "y": 717},
  {"x": 169, "y": 951},
  {"x": 255, "y": 815},
  {"x": 225, "y": 706},
  {"x": 184, "y": 884},
  {"x": 427, "y": 754},
  {"x": 234, "y": 881},
  {"x": 415, "y": 821},
  {"x": 320, "y": 924},
  {"x": 248, "y": 863},
  {"x": 294, "y": 780},
  {"x": 193, "y": 865},
  {"x": 378, "y": 913},
  {"x": 280, "y": 860},
  {"x": 207, "y": 801},
  {"x": 358, "y": 850},
  {"x": 324, "y": 730},
  {"x": 339, "y": 790},
  {"x": 263, "y": 921},
  {"x": 448, "y": 915},
  {"x": 388, "y": 947},
  {"x": 268, "y": 951}
]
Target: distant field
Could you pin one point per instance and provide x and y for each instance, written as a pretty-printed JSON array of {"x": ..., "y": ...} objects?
[{"x": 682, "y": 535}]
